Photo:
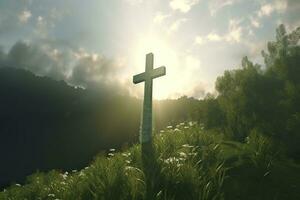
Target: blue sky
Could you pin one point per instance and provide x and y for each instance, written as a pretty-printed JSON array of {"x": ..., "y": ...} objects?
[{"x": 97, "y": 42}]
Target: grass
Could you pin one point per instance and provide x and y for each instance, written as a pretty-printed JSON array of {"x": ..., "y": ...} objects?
[{"x": 185, "y": 162}]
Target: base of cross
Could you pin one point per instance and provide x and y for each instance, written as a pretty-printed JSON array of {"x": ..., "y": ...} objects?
[
  {"x": 147, "y": 151},
  {"x": 151, "y": 169},
  {"x": 145, "y": 138}
]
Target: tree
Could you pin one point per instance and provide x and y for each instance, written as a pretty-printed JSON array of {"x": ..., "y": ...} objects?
[{"x": 267, "y": 99}]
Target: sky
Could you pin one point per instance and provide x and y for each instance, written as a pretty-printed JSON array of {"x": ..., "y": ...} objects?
[{"x": 102, "y": 44}]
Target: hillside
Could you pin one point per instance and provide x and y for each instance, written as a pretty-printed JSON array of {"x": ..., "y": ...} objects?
[
  {"x": 187, "y": 163},
  {"x": 47, "y": 124}
]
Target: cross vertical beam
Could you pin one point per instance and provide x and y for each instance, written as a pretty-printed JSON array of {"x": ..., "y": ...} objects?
[{"x": 147, "y": 77}]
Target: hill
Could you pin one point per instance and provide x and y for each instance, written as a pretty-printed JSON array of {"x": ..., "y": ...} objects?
[
  {"x": 186, "y": 163},
  {"x": 47, "y": 124}
]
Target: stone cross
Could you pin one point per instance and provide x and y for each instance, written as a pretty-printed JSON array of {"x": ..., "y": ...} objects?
[{"x": 147, "y": 76}]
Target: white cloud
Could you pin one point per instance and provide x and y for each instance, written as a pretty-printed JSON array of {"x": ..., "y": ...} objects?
[
  {"x": 235, "y": 31},
  {"x": 159, "y": 17},
  {"x": 234, "y": 34},
  {"x": 175, "y": 25},
  {"x": 254, "y": 22},
  {"x": 24, "y": 16},
  {"x": 199, "y": 40},
  {"x": 211, "y": 37},
  {"x": 216, "y": 5},
  {"x": 183, "y": 5},
  {"x": 40, "y": 20},
  {"x": 267, "y": 9},
  {"x": 281, "y": 6},
  {"x": 214, "y": 37},
  {"x": 133, "y": 2},
  {"x": 41, "y": 29}
]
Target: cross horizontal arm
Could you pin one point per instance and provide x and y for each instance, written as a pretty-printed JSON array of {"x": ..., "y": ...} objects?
[
  {"x": 161, "y": 71},
  {"x": 139, "y": 78}
]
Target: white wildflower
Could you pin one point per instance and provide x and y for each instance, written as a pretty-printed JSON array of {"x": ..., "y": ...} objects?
[
  {"x": 65, "y": 176},
  {"x": 191, "y": 123},
  {"x": 179, "y": 165},
  {"x": 171, "y": 160},
  {"x": 18, "y": 185},
  {"x": 111, "y": 154},
  {"x": 81, "y": 173},
  {"x": 181, "y": 159},
  {"x": 128, "y": 168},
  {"x": 126, "y": 154},
  {"x": 187, "y": 146},
  {"x": 127, "y": 161},
  {"x": 51, "y": 195},
  {"x": 192, "y": 154},
  {"x": 112, "y": 150},
  {"x": 169, "y": 127},
  {"x": 182, "y": 154},
  {"x": 74, "y": 170}
]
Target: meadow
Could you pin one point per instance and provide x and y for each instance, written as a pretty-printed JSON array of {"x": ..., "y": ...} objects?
[{"x": 186, "y": 162}]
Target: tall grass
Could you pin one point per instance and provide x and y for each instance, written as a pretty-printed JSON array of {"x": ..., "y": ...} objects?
[{"x": 186, "y": 163}]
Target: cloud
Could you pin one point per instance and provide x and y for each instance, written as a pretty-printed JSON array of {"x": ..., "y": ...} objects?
[
  {"x": 24, "y": 16},
  {"x": 214, "y": 37},
  {"x": 255, "y": 22},
  {"x": 216, "y": 5},
  {"x": 183, "y": 5},
  {"x": 233, "y": 34},
  {"x": 265, "y": 10},
  {"x": 41, "y": 28},
  {"x": 235, "y": 31},
  {"x": 92, "y": 70},
  {"x": 133, "y": 2},
  {"x": 176, "y": 24},
  {"x": 292, "y": 17},
  {"x": 159, "y": 17},
  {"x": 199, "y": 91},
  {"x": 76, "y": 67},
  {"x": 211, "y": 37},
  {"x": 278, "y": 6},
  {"x": 199, "y": 40},
  {"x": 40, "y": 59}
]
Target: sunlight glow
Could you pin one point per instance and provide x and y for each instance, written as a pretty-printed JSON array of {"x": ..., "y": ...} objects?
[
  {"x": 180, "y": 67},
  {"x": 164, "y": 55}
]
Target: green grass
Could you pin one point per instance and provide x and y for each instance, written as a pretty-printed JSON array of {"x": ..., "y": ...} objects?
[{"x": 185, "y": 162}]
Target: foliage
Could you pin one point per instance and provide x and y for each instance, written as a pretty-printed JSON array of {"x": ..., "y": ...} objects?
[
  {"x": 265, "y": 98},
  {"x": 188, "y": 163},
  {"x": 187, "y": 159}
]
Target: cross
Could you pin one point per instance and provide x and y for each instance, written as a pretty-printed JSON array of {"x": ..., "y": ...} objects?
[{"x": 147, "y": 77}]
